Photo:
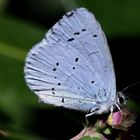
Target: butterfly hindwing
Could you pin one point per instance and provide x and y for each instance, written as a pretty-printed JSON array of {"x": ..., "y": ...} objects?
[{"x": 72, "y": 66}]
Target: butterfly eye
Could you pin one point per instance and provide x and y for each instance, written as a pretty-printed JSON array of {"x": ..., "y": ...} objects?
[{"x": 121, "y": 100}]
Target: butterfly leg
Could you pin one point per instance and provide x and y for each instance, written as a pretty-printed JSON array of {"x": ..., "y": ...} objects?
[
  {"x": 93, "y": 111},
  {"x": 89, "y": 114},
  {"x": 86, "y": 117},
  {"x": 112, "y": 112},
  {"x": 118, "y": 108},
  {"x": 87, "y": 122}
]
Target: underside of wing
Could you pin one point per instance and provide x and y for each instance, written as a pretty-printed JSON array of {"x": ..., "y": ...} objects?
[{"x": 72, "y": 64}]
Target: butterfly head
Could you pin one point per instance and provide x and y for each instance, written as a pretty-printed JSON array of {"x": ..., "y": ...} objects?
[{"x": 121, "y": 98}]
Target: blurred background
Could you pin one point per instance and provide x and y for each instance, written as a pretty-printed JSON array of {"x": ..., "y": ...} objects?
[{"x": 24, "y": 23}]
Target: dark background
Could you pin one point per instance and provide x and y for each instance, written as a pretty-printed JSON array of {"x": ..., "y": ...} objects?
[{"x": 24, "y": 23}]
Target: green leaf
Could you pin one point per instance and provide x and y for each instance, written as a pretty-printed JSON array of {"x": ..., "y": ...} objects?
[
  {"x": 20, "y": 136},
  {"x": 12, "y": 52},
  {"x": 134, "y": 105},
  {"x": 86, "y": 138},
  {"x": 118, "y": 18},
  {"x": 17, "y": 103},
  {"x": 17, "y": 33},
  {"x": 90, "y": 138}
]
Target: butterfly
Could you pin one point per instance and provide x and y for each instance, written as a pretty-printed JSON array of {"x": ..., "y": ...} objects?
[{"x": 72, "y": 66}]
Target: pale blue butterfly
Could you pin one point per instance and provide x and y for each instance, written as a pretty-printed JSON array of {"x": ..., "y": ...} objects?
[{"x": 72, "y": 66}]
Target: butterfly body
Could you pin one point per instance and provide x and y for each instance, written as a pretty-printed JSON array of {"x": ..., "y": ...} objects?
[{"x": 72, "y": 66}]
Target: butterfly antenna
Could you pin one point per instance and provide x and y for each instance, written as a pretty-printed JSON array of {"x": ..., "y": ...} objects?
[{"x": 134, "y": 84}]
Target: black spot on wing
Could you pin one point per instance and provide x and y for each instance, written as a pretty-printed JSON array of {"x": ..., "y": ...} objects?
[
  {"x": 95, "y": 35},
  {"x": 59, "y": 84},
  {"x": 62, "y": 100},
  {"x": 54, "y": 69},
  {"x": 76, "y": 59},
  {"x": 83, "y": 30},
  {"x": 69, "y": 14},
  {"x": 71, "y": 39},
  {"x": 92, "y": 82},
  {"x": 57, "y": 64},
  {"x": 52, "y": 88},
  {"x": 76, "y": 33},
  {"x": 73, "y": 68}
]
